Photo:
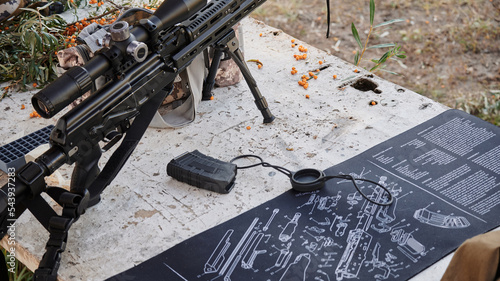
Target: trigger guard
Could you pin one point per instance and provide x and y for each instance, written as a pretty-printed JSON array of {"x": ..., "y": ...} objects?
[{"x": 306, "y": 180}]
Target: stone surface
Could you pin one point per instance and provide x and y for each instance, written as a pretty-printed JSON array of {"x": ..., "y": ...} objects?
[{"x": 144, "y": 211}]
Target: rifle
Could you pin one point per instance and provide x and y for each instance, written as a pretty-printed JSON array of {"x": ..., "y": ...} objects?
[{"x": 140, "y": 64}]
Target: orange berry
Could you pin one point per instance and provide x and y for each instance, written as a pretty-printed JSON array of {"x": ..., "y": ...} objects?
[
  {"x": 311, "y": 74},
  {"x": 293, "y": 45},
  {"x": 248, "y": 127},
  {"x": 307, "y": 96},
  {"x": 260, "y": 34},
  {"x": 315, "y": 77},
  {"x": 334, "y": 76},
  {"x": 212, "y": 98},
  {"x": 259, "y": 66},
  {"x": 293, "y": 40},
  {"x": 306, "y": 86},
  {"x": 320, "y": 62},
  {"x": 22, "y": 106},
  {"x": 356, "y": 71},
  {"x": 34, "y": 85}
]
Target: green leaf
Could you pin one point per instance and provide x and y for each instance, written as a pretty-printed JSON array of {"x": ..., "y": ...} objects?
[
  {"x": 388, "y": 71},
  {"x": 39, "y": 43},
  {"x": 384, "y": 57},
  {"x": 372, "y": 11},
  {"x": 356, "y": 35},
  {"x": 356, "y": 58},
  {"x": 388, "y": 22},
  {"x": 382, "y": 46},
  {"x": 401, "y": 56}
]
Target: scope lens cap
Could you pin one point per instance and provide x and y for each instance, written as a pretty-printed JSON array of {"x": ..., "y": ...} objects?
[{"x": 307, "y": 180}]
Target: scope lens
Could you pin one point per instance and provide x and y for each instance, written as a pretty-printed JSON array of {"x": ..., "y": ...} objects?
[{"x": 43, "y": 107}]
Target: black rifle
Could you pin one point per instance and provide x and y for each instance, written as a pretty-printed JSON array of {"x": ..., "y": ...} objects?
[{"x": 140, "y": 64}]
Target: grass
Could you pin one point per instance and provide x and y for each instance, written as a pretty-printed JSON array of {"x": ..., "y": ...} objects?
[{"x": 21, "y": 272}]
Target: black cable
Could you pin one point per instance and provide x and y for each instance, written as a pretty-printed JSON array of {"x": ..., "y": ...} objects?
[
  {"x": 386, "y": 202},
  {"x": 328, "y": 18},
  {"x": 264, "y": 164},
  {"x": 353, "y": 179}
]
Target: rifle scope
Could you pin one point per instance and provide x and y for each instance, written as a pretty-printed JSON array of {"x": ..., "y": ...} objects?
[{"x": 78, "y": 80}]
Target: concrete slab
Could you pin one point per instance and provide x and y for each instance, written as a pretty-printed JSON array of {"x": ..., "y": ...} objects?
[{"x": 144, "y": 211}]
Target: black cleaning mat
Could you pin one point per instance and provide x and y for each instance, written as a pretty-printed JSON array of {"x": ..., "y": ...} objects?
[{"x": 443, "y": 173}]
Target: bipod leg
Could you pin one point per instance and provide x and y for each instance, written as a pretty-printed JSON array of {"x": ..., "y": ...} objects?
[
  {"x": 209, "y": 82},
  {"x": 233, "y": 49}
]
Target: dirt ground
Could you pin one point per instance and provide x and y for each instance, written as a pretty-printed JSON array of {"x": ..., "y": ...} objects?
[{"x": 452, "y": 46}]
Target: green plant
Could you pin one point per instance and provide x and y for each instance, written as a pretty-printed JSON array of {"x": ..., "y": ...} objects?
[
  {"x": 20, "y": 272},
  {"x": 27, "y": 48},
  {"x": 30, "y": 41},
  {"x": 394, "y": 53},
  {"x": 486, "y": 107}
]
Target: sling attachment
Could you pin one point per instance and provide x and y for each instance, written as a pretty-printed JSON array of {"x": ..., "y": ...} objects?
[{"x": 73, "y": 206}]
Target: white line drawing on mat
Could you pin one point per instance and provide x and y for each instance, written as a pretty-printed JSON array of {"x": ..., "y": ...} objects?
[
  {"x": 289, "y": 229},
  {"x": 341, "y": 225},
  {"x": 315, "y": 229},
  {"x": 382, "y": 265},
  {"x": 407, "y": 244},
  {"x": 177, "y": 273},
  {"x": 312, "y": 200},
  {"x": 353, "y": 199},
  {"x": 252, "y": 253},
  {"x": 323, "y": 223},
  {"x": 439, "y": 220},
  {"x": 327, "y": 259},
  {"x": 329, "y": 202},
  {"x": 298, "y": 266},
  {"x": 359, "y": 240},
  {"x": 284, "y": 256},
  {"x": 266, "y": 227},
  {"x": 235, "y": 251},
  {"x": 216, "y": 259},
  {"x": 319, "y": 278}
]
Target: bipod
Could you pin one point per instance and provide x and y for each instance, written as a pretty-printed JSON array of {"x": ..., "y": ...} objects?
[{"x": 230, "y": 46}]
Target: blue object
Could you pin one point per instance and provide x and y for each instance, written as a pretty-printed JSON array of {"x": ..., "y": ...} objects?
[{"x": 12, "y": 154}]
